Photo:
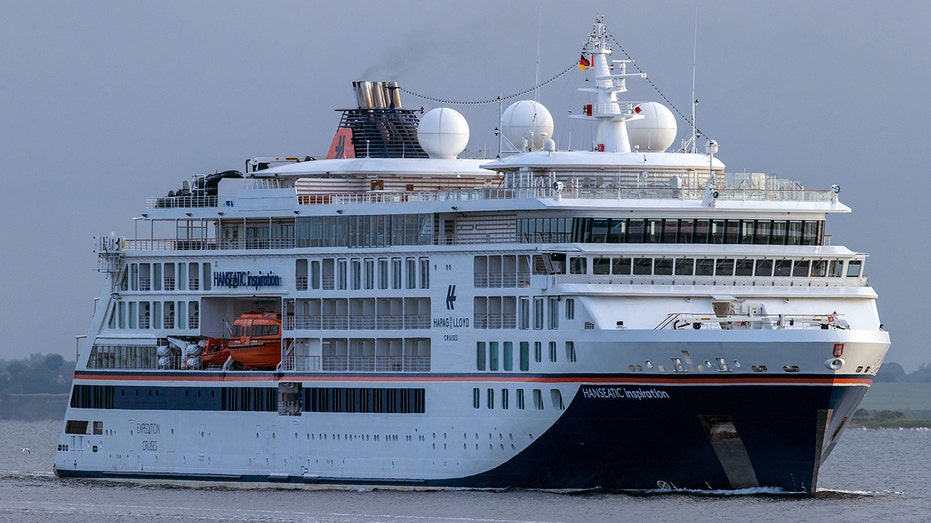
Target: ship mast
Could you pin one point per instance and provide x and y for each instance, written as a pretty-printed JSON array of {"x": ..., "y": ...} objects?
[{"x": 610, "y": 114}]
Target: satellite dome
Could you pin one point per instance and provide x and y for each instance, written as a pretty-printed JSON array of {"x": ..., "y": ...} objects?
[
  {"x": 443, "y": 133},
  {"x": 656, "y": 131},
  {"x": 527, "y": 120}
]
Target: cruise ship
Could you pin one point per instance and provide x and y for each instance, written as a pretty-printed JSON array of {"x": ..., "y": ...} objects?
[{"x": 625, "y": 316}]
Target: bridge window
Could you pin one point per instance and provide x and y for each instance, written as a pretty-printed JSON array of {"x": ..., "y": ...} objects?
[{"x": 853, "y": 268}]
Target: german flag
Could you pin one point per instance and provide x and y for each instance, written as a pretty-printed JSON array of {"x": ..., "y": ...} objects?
[{"x": 584, "y": 63}]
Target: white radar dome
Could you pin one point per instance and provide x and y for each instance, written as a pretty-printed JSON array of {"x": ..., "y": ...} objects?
[
  {"x": 528, "y": 121},
  {"x": 656, "y": 131},
  {"x": 443, "y": 133}
]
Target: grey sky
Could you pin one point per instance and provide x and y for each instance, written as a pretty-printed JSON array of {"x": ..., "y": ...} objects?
[{"x": 105, "y": 103}]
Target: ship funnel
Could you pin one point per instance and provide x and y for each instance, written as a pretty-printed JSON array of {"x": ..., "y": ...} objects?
[
  {"x": 363, "y": 94},
  {"x": 392, "y": 94},
  {"x": 378, "y": 95}
]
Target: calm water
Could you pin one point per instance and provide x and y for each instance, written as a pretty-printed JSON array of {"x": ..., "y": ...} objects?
[{"x": 873, "y": 475}]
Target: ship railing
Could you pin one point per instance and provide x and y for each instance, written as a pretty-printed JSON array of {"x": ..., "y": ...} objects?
[
  {"x": 180, "y": 202},
  {"x": 208, "y": 244},
  {"x": 507, "y": 280},
  {"x": 736, "y": 281},
  {"x": 567, "y": 192},
  {"x": 376, "y": 363},
  {"x": 387, "y": 322},
  {"x": 495, "y": 321},
  {"x": 689, "y": 320}
]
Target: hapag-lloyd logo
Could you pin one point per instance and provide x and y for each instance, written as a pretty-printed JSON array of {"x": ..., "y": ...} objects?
[{"x": 235, "y": 279}]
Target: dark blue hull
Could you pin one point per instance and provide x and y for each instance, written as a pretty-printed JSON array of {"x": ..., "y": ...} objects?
[{"x": 688, "y": 437}]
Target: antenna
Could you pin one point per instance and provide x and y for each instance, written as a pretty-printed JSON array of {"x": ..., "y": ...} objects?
[
  {"x": 694, "y": 100},
  {"x": 536, "y": 92}
]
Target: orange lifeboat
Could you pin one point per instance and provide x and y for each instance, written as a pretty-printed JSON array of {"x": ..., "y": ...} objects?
[
  {"x": 256, "y": 340},
  {"x": 216, "y": 352}
]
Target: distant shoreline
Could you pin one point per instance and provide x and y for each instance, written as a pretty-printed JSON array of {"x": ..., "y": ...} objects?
[{"x": 36, "y": 406}]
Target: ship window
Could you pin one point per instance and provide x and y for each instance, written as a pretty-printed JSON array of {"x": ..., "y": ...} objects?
[
  {"x": 653, "y": 231},
  {"x": 208, "y": 275},
  {"x": 819, "y": 268},
  {"x": 601, "y": 265},
  {"x": 538, "y": 313},
  {"x": 570, "y": 308},
  {"x": 538, "y": 351},
  {"x": 476, "y": 398},
  {"x": 702, "y": 227},
  {"x": 686, "y": 229},
  {"x": 182, "y": 277},
  {"x": 169, "y": 276},
  {"x": 643, "y": 266},
  {"x": 369, "y": 274},
  {"x": 355, "y": 274},
  {"x": 383, "y": 273},
  {"x": 578, "y": 265},
  {"x": 620, "y": 266},
  {"x": 553, "y": 313},
  {"x": 480, "y": 355},
  {"x": 782, "y": 268},
  {"x": 800, "y": 268},
  {"x": 538, "y": 399},
  {"x": 853, "y": 268},
  {"x": 328, "y": 274},
  {"x": 744, "y": 268},
  {"x": 746, "y": 231},
  {"x": 504, "y": 398},
  {"x": 145, "y": 315},
  {"x": 731, "y": 231},
  {"x": 493, "y": 355},
  {"x": 617, "y": 232},
  {"x": 520, "y": 399},
  {"x": 662, "y": 267},
  {"x": 570, "y": 351},
  {"x": 724, "y": 267},
  {"x": 145, "y": 277},
  {"x": 300, "y": 274},
  {"x": 133, "y": 306},
  {"x": 599, "y": 230},
  {"x": 341, "y": 274},
  {"x": 122, "y": 314},
  {"x": 396, "y": 273},
  {"x": 424, "y": 273},
  {"x": 761, "y": 234},
  {"x": 194, "y": 321},
  {"x": 491, "y": 397},
  {"x": 182, "y": 315},
  {"x": 524, "y": 322},
  {"x": 717, "y": 232},
  {"x": 670, "y": 228},
  {"x": 794, "y": 233},
  {"x": 411, "y": 264},
  {"x": 635, "y": 231},
  {"x": 810, "y": 234},
  {"x": 75, "y": 426},
  {"x": 524, "y": 356},
  {"x": 778, "y": 233},
  {"x": 194, "y": 277},
  {"x": 685, "y": 266},
  {"x": 704, "y": 267},
  {"x": 508, "y": 363},
  {"x": 553, "y": 351},
  {"x": 556, "y": 399},
  {"x": 764, "y": 268},
  {"x": 134, "y": 276},
  {"x": 837, "y": 268}
]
